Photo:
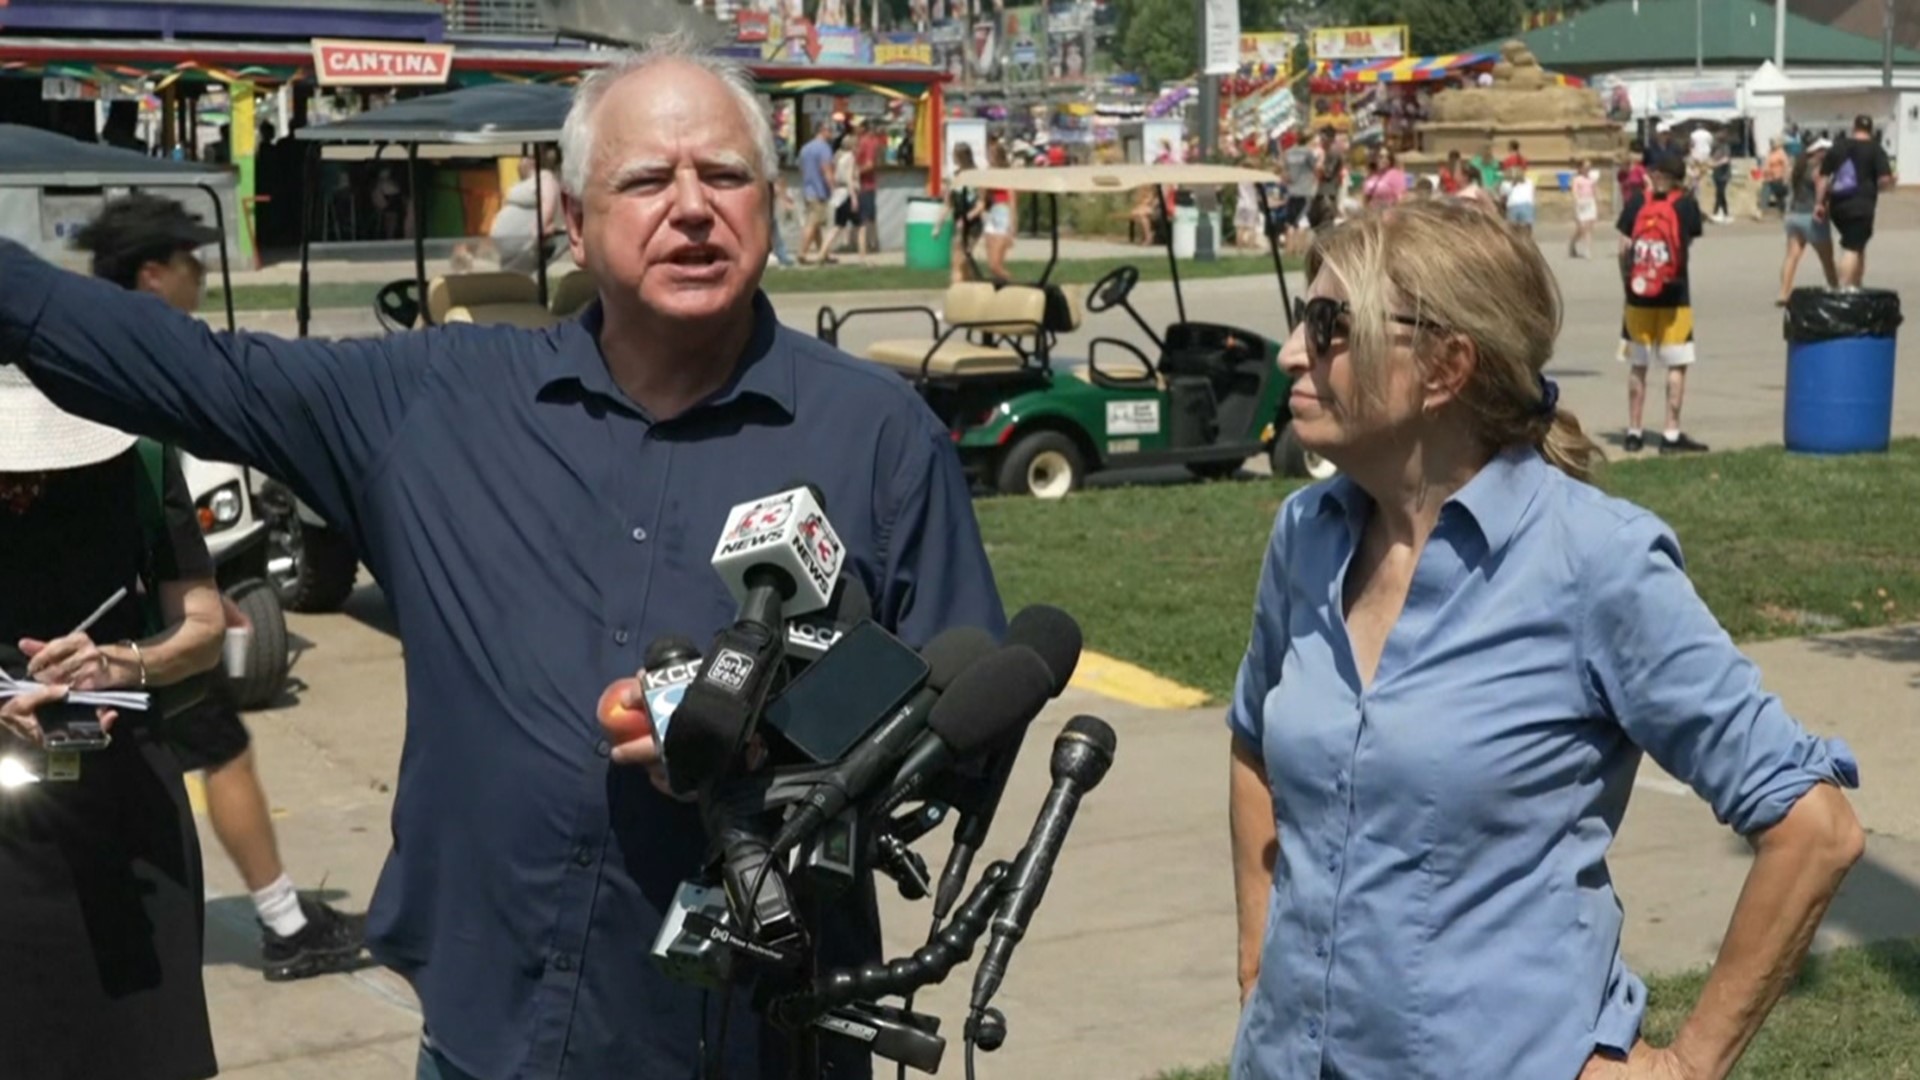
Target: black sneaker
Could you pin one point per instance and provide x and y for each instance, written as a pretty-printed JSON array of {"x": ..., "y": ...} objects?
[
  {"x": 1634, "y": 443},
  {"x": 331, "y": 941},
  {"x": 1681, "y": 444}
]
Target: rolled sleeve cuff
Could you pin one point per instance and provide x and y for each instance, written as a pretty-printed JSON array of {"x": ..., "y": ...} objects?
[
  {"x": 1243, "y": 716},
  {"x": 1812, "y": 761},
  {"x": 26, "y": 285}
]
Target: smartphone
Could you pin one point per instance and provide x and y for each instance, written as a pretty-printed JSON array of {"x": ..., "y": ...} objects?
[
  {"x": 64, "y": 726},
  {"x": 856, "y": 684}
]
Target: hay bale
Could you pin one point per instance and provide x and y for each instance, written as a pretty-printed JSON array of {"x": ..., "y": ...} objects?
[
  {"x": 1529, "y": 78},
  {"x": 1513, "y": 49},
  {"x": 1502, "y": 72}
]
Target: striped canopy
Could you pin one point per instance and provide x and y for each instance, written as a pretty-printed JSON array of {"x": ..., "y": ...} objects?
[
  {"x": 1422, "y": 69},
  {"x": 1410, "y": 68}
]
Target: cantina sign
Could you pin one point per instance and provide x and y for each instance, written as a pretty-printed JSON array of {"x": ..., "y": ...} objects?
[{"x": 380, "y": 63}]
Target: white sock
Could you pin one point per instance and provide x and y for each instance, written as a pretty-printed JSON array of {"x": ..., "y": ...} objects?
[
  {"x": 1633, "y": 433},
  {"x": 279, "y": 907},
  {"x": 1672, "y": 433}
]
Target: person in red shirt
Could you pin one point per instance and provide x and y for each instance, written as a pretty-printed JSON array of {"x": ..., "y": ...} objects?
[
  {"x": 1450, "y": 174},
  {"x": 867, "y": 152},
  {"x": 1056, "y": 154},
  {"x": 1514, "y": 159}
]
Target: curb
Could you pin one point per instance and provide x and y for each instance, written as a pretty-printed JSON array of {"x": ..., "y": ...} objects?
[{"x": 1117, "y": 679}]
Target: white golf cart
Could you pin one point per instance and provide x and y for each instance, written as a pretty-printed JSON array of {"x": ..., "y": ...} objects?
[{"x": 45, "y": 179}]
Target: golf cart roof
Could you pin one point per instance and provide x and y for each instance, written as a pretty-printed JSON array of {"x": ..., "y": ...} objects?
[
  {"x": 31, "y": 157},
  {"x": 1090, "y": 179},
  {"x": 479, "y": 115}
]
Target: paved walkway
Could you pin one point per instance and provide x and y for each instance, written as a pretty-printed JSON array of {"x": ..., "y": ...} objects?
[{"x": 1129, "y": 968}]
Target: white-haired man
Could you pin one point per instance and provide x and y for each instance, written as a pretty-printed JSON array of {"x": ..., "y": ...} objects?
[{"x": 537, "y": 507}]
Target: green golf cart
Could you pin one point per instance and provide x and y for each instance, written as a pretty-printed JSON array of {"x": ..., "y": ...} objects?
[{"x": 1027, "y": 422}]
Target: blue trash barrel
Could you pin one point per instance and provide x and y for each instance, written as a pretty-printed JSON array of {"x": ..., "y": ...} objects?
[{"x": 1840, "y": 370}]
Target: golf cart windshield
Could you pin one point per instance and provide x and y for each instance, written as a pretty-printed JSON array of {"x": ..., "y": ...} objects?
[
  {"x": 499, "y": 120},
  {"x": 1101, "y": 179},
  {"x": 1109, "y": 179},
  {"x": 31, "y": 158}
]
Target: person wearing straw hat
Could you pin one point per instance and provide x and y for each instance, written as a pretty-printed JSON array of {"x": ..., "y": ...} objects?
[
  {"x": 146, "y": 243},
  {"x": 101, "y": 913}
]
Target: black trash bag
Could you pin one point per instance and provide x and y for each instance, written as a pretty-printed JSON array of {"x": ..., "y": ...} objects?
[{"x": 1823, "y": 315}]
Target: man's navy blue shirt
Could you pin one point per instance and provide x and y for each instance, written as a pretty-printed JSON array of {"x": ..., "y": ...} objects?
[{"x": 533, "y": 529}]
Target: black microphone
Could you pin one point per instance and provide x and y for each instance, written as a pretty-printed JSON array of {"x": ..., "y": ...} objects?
[
  {"x": 947, "y": 656},
  {"x": 1081, "y": 756},
  {"x": 1055, "y": 636},
  {"x": 991, "y": 701}
]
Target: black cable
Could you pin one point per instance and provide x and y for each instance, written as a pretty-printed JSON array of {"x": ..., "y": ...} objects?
[
  {"x": 970, "y": 1045},
  {"x": 726, "y": 987},
  {"x": 933, "y": 931}
]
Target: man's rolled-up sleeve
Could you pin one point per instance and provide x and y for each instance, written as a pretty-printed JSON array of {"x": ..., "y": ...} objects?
[
  {"x": 1664, "y": 669},
  {"x": 935, "y": 569},
  {"x": 1267, "y": 644},
  {"x": 316, "y": 414}
]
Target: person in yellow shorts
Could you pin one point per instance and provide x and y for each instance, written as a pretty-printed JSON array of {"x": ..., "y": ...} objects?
[{"x": 1657, "y": 231}]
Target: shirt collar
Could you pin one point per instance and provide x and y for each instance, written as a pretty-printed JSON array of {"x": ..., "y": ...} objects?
[
  {"x": 1494, "y": 499},
  {"x": 766, "y": 369}
]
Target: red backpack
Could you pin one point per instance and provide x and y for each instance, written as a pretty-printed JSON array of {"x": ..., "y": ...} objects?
[{"x": 1659, "y": 250}]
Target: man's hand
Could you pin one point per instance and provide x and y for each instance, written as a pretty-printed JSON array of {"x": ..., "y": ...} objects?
[
  {"x": 18, "y": 716},
  {"x": 645, "y": 751},
  {"x": 1647, "y": 1062},
  {"x": 75, "y": 661}
]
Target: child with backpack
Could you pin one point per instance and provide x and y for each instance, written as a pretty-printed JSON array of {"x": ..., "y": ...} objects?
[{"x": 1657, "y": 231}]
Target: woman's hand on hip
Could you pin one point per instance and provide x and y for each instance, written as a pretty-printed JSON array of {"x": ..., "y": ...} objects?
[{"x": 1647, "y": 1062}]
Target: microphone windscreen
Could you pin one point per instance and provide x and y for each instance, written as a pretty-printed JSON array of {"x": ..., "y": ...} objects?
[
  {"x": 1094, "y": 730},
  {"x": 670, "y": 649},
  {"x": 1054, "y": 635},
  {"x": 991, "y": 699},
  {"x": 953, "y": 651}
]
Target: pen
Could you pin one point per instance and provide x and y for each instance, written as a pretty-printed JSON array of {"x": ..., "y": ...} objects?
[{"x": 100, "y": 612}]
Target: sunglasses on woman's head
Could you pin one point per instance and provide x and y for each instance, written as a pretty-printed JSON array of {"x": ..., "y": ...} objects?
[{"x": 1322, "y": 315}]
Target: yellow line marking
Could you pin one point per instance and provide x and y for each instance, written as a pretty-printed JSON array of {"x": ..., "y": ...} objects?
[
  {"x": 197, "y": 794},
  {"x": 1122, "y": 681}
]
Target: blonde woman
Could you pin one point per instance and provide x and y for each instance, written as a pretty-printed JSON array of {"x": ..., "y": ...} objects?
[{"x": 1461, "y": 650}]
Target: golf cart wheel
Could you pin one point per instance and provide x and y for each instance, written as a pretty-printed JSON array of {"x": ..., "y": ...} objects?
[
  {"x": 1292, "y": 459},
  {"x": 267, "y": 656},
  {"x": 312, "y": 566},
  {"x": 1044, "y": 464}
]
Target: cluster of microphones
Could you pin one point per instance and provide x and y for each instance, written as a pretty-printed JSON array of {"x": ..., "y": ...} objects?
[{"x": 819, "y": 748}]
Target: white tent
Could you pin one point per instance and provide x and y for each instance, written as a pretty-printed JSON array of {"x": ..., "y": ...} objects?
[{"x": 1765, "y": 100}]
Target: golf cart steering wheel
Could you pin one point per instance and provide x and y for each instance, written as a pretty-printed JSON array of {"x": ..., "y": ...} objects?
[
  {"x": 1112, "y": 290},
  {"x": 397, "y": 305}
]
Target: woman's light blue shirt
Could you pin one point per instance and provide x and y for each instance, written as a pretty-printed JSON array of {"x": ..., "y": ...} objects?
[{"x": 1441, "y": 904}]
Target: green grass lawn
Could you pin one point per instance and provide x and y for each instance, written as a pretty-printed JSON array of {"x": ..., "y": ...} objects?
[
  {"x": 1777, "y": 544},
  {"x": 826, "y": 279},
  {"x": 1852, "y": 1015}
]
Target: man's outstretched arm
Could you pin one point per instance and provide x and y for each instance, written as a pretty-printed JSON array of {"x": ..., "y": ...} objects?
[{"x": 316, "y": 414}]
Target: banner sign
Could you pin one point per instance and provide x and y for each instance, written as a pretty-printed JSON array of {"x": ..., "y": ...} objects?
[
  {"x": 1222, "y": 47},
  {"x": 890, "y": 49},
  {"x": 1268, "y": 50},
  {"x": 1359, "y": 42},
  {"x": 380, "y": 63}
]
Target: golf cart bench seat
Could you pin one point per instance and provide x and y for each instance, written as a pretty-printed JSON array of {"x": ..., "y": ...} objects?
[
  {"x": 1011, "y": 311},
  {"x": 499, "y": 298}
]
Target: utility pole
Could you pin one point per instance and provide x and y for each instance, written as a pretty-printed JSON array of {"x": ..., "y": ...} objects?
[
  {"x": 1204, "y": 201},
  {"x": 1886, "y": 47},
  {"x": 1699, "y": 37},
  {"x": 1780, "y": 34}
]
